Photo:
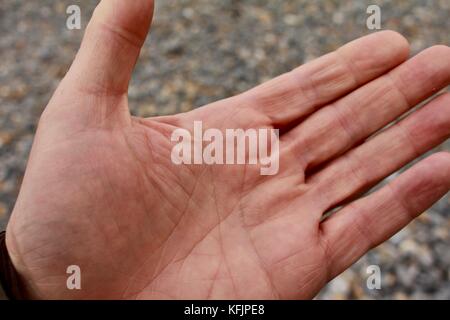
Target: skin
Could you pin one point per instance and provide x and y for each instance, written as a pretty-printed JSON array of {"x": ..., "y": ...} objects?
[{"x": 100, "y": 190}]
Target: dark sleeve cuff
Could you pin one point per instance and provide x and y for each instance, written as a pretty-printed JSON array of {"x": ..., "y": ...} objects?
[{"x": 9, "y": 278}]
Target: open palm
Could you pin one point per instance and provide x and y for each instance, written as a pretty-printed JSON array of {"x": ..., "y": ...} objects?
[{"x": 101, "y": 192}]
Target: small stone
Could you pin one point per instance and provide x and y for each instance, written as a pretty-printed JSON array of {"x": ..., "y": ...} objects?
[
  {"x": 408, "y": 246},
  {"x": 389, "y": 280},
  {"x": 3, "y": 211},
  {"x": 338, "y": 18},
  {"x": 400, "y": 296},
  {"x": 5, "y": 138},
  {"x": 291, "y": 19},
  {"x": 407, "y": 276},
  {"x": 188, "y": 13}
]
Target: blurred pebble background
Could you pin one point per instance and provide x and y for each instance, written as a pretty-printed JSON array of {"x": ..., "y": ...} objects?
[{"x": 200, "y": 51}]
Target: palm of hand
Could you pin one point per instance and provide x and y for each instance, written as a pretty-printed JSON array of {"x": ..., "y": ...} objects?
[
  {"x": 150, "y": 229},
  {"x": 101, "y": 191}
]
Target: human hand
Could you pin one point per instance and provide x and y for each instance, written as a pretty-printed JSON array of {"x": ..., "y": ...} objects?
[{"x": 100, "y": 190}]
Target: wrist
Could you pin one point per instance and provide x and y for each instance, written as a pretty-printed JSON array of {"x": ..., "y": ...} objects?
[{"x": 11, "y": 282}]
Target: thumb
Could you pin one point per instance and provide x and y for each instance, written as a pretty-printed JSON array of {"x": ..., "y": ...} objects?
[{"x": 111, "y": 47}]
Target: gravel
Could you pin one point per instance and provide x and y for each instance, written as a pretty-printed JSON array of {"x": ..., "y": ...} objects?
[{"x": 200, "y": 51}]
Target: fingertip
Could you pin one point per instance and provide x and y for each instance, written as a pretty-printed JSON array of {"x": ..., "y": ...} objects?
[
  {"x": 439, "y": 50},
  {"x": 380, "y": 50},
  {"x": 111, "y": 47},
  {"x": 395, "y": 41},
  {"x": 134, "y": 17},
  {"x": 437, "y": 54},
  {"x": 426, "y": 182},
  {"x": 393, "y": 37},
  {"x": 439, "y": 165}
]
